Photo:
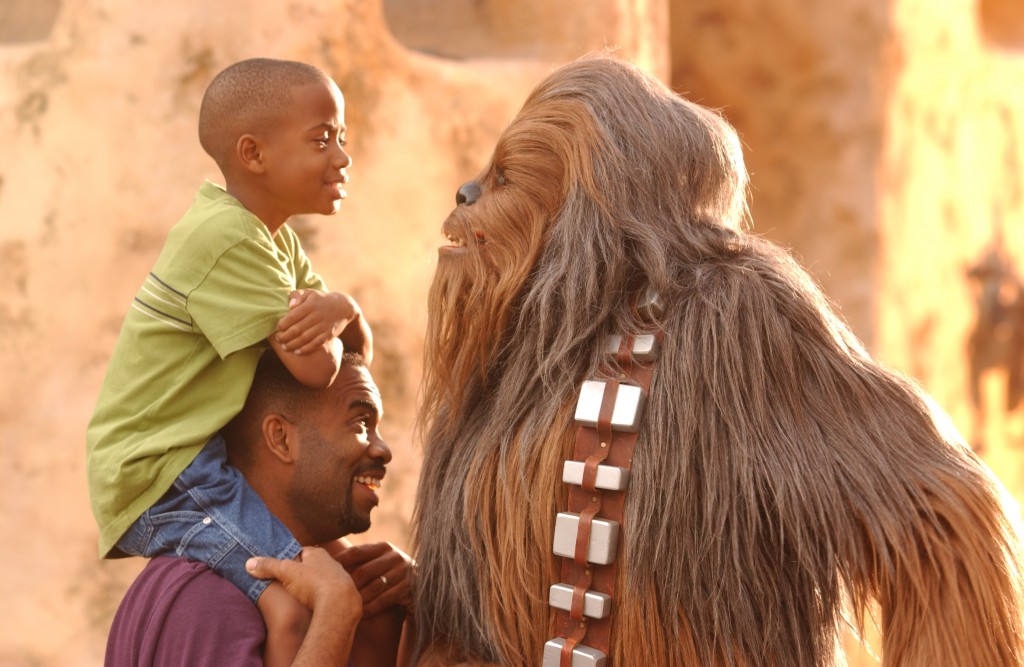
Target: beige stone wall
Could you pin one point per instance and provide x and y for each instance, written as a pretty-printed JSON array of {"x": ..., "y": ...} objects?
[
  {"x": 951, "y": 189},
  {"x": 803, "y": 84},
  {"x": 884, "y": 142},
  {"x": 98, "y": 100}
]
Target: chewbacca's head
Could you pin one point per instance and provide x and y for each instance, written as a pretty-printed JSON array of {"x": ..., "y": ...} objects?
[{"x": 603, "y": 179}]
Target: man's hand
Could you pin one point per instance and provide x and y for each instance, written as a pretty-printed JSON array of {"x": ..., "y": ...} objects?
[
  {"x": 382, "y": 572},
  {"x": 314, "y": 579},
  {"x": 314, "y": 317},
  {"x": 319, "y": 582}
]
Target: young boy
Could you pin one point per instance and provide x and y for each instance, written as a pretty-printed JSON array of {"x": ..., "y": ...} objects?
[{"x": 231, "y": 280}]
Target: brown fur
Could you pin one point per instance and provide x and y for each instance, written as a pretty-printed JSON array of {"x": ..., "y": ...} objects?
[{"x": 780, "y": 474}]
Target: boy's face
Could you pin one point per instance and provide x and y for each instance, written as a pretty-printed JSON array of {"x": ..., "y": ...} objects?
[{"x": 305, "y": 155}]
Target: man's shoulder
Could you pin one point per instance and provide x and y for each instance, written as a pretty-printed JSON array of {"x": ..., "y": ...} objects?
[
  {"x": 178, "y": 609},
  {"x": 168, "y": 578}
]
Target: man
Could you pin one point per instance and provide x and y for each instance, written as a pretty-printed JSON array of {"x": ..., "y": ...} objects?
[{"x": 315, "y": 457}]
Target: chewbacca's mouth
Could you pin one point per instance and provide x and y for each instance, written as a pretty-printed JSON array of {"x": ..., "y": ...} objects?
[{"x": 459, "y": 242}]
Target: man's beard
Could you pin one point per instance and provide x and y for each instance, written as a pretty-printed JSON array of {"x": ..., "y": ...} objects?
[
  {"x": 350, "y": 521},
  {"x": 323, "y": 505}
]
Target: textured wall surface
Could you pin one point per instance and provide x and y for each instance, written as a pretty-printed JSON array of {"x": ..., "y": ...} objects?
[
  {"x": 804, "y": 85},
  {"x": 883, "y": 136},
  {"x": 951, "y": 200},
  {"x": 884, "y": 141}
]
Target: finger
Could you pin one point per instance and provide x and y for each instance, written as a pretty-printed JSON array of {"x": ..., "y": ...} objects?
[
  {"x": 314, "y": 344},
  {"x": 395, "y": 593},
  {"x": 302, "y": 311},
  {"x": 289, "y": 338},
  {"x": 357, "y": 555},
  {"x": 301, "y": 317},
  {"x": 301, "y": 333},
  {"x": 392, "y": 576},
  {"x": 366, "y": 573},
  {"x": 265, "y": 567},
  {"x": 287, "y": 321},
  {"x": 393, "y": 587},
  {"x": 297, "y": 297},
  {"x": 299, "y": 323},
  {"x": 293, "y": 323},
  {"x": 380, "y": 591}
]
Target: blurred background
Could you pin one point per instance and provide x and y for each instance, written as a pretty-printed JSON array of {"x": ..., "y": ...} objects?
[{"x": 884, "y": 138}]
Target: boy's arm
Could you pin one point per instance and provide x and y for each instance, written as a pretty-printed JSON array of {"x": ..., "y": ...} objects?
[
  {"x": 317, "y": 368},
  {"x": 318, "y": 582},
  {"x": 386, "y": 602},
  {"x": 357, "y": 337},
  {"x": 314, "y": 317},
  {"x": 378, "y": 638}
]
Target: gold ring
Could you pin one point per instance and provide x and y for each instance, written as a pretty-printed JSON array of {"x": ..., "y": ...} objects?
[{"x": 385, "y": 580}]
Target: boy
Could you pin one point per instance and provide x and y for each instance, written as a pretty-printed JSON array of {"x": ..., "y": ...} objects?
[{"x": 231, "y": 275}]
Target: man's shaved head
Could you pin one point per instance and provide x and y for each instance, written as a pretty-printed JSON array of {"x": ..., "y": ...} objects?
[
  {"x": 248, "y": 97},
  {"x": 275, "y": 390}
]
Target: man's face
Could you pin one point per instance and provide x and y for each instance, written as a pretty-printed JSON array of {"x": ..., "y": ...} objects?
[{"x": 341, "y": 459}]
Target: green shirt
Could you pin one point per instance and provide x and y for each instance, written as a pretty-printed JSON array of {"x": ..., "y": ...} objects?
[{"x": 187, "y": 353}]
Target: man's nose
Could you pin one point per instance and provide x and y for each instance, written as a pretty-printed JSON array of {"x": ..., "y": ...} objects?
[
  {"x": 379, "y": 450},
  {"x": 467, "y": 194}
]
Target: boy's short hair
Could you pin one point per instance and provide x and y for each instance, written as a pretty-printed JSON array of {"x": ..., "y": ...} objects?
[{"x": 248, "y": 97}]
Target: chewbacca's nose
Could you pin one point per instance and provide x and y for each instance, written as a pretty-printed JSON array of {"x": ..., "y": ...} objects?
[{"x": 467, "y": 194}]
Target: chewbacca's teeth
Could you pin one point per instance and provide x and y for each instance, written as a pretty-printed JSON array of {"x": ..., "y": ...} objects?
[
  {"x": 452, "y": 240},
  {"x": 371, "y": 482}
]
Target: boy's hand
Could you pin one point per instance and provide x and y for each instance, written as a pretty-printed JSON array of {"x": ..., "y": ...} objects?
[{"x": 314, "y": 317}]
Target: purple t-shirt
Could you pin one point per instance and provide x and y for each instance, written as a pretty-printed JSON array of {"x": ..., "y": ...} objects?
[{"x": 179, "y": 612}]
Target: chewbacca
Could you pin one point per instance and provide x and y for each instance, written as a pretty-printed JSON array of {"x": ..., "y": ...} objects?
[{"x": 783, "y": 485}]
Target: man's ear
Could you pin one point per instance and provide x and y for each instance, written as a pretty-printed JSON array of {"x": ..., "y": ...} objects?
[
  {"x": 249, "y": 150},
  {"x": 279, "y": 438}
]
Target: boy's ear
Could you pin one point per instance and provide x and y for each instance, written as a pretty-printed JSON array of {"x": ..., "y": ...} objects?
[
  {"x": 279, "y": 438},
  {"x": 249, "y": 150}
]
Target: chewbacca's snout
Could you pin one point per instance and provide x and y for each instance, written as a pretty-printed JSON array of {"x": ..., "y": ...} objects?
[{"x": 467, "y": 194}]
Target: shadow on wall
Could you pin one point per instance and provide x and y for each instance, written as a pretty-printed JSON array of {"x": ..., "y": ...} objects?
[
  {"x": 489, "y": 29},
  {"x": 1002, "y": 23},
  {"x": 24, "y": 21},
  {"x": 997, "y": 340}
]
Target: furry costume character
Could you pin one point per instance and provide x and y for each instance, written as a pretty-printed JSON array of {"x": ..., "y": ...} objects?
[{"x": 780, "y": 474}]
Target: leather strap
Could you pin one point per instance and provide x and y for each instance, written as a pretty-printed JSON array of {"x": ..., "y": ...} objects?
[
  {"x": 598, "y": 446},
  {"x": 587, "y": 514}
]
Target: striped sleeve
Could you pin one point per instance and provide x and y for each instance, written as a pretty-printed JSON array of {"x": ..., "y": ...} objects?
[{"x": 160, "y": 301}]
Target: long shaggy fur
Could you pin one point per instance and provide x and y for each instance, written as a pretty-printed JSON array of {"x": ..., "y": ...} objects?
[{"x": 780, "y": 475}]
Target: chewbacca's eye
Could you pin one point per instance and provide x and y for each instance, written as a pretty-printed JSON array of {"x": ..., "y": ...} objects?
[{"x": 500, "y": 178}]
